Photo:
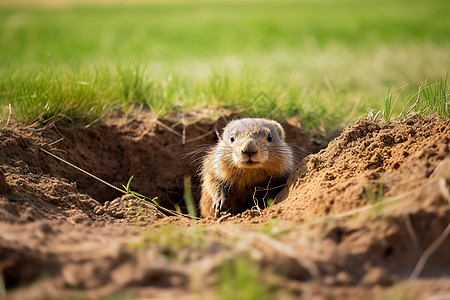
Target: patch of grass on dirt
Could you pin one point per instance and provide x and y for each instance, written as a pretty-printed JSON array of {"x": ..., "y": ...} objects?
[
  {"x": 118, "y": 296},
  {"x": 429, "y": 99},
  {"x": 324, "y": 61},
  {"x": 435, "y": 98},
  {"x": 172, "y": 239},
  {"x": 374, "y": 195},
  {"x": 2, "y": 287},
  {"x": 400, "y": 292},
  {"x": 242, "y": 278},
  {"x": 47, "y": 94}
]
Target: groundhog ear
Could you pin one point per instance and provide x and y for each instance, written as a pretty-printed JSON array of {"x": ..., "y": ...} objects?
[
  {"x": 280, "y": 130},
  {"x": 220, "y": 136}
]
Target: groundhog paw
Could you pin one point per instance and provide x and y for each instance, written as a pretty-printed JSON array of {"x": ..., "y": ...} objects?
[{"x": 219, "y": 203}]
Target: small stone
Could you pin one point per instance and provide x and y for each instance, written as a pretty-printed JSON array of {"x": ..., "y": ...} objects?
[
  {"x": 45, "y": 227},
  {"x": 377, "y": 276},
  {"x": 70, "y": 275},
  {"x": 344, "y": 278},
  {"x": 42, "y": 230},
  {"x": 329, "y": 280},
  {"x": 99, "y": 210}
]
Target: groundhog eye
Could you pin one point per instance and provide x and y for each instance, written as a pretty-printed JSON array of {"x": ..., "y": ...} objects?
[
  {"x": 269, "y": 138},
  {"x": 232, "y": 138}
]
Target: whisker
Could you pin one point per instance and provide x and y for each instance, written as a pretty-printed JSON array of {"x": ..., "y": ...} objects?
[
  {"x": 301, "y": 149},
  {"x": 198, "y": 151}
]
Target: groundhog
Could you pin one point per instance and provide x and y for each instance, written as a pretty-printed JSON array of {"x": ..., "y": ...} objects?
[{"x": 249, "y": 165}]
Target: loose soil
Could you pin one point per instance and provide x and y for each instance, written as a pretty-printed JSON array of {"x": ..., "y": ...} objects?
[{"x": 367, "y": 216}]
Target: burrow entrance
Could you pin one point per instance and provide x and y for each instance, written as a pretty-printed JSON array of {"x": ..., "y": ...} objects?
[{"x": 159, "y": 153}]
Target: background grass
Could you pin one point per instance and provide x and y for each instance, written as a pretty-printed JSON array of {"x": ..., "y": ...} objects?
[{"x": 323, "y": 61}]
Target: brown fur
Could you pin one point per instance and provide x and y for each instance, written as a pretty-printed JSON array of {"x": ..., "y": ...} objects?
[{"x": 237, "y": 175}]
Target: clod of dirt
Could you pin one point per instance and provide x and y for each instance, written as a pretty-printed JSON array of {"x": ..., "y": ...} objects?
[
  {"x": 133, "y": 209},
  {"x": 377, "y": 276}
]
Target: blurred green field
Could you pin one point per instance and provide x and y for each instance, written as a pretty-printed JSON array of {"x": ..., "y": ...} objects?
[{"x": 324, "y": 61}]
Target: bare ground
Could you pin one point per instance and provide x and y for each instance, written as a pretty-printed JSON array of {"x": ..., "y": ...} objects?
[{"x": 365, "y": 217}]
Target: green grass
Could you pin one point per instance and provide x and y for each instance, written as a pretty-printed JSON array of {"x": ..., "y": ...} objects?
[
  {"x": 434, "y": 99},
  {"x": 429, "y": 99},
  {"x": 242, "y": 278},
  {"x": 324, "y": 61},
  {"x": 172, "y": 238},
  {"x": 374, "y": 195}
]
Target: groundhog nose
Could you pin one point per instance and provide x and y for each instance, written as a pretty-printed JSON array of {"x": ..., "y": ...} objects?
[{"x": 249, "y": 152}]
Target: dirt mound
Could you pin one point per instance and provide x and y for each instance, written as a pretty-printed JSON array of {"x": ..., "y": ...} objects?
[
  {"x": 354, "y": 219},
  {"x": 367, "y": 162},
  {"x": 397, "y": 176}
]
